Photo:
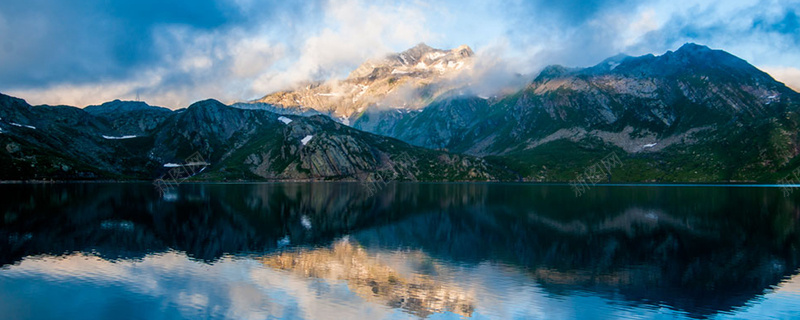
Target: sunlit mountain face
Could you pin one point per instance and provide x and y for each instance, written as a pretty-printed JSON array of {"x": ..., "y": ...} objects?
[{"x": 406, "y": 81}]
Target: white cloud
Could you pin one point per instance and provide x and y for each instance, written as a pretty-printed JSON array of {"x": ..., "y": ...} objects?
[
  {"x": 214, "y": 64},
  {"x": 354, "y": 31},
  {"x": 86, "y": 94},
  {"x": 645, "y": 21},
  {"x": 253, "y": 56}
]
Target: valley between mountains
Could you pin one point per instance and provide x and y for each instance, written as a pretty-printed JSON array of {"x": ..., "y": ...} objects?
[{"x": 694, "y": 115}]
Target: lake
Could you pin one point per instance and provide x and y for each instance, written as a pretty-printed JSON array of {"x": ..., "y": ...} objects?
[{"x": 398, "y": 251}]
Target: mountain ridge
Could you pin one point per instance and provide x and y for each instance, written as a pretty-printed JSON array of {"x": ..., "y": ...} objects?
[
  {"x": 639, "y": 106},
  {"x": 691, "y": 115},
  {"x": 69, "y": 143}
]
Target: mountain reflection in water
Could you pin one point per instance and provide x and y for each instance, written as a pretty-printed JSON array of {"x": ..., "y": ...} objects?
[
  {"x": 460, "y": 250},
  {"x": 420, "y": 294}
]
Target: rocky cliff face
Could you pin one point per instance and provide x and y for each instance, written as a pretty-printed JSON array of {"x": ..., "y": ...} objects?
[{"x": 407, "y": 80}]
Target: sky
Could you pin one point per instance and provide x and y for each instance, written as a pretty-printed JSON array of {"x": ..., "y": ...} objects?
[{"x": 172, "y": 53}]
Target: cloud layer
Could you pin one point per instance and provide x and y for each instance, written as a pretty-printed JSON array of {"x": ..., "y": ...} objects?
[{"x": 87, "y": 52}]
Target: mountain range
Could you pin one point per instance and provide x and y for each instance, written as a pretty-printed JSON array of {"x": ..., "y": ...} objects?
[{"x": 692, "y": 115}]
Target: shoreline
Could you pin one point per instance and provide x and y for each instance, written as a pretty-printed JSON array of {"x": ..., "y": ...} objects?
[{"x": 521, "y": 183}]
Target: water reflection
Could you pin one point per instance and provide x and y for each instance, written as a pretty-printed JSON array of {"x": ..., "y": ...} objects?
[
  {"x": 377, "y": 281},
  {"x": 436, "y": 249}
]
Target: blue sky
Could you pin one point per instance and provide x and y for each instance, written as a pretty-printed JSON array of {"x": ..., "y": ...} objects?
[{"x": 176, "y": 52}]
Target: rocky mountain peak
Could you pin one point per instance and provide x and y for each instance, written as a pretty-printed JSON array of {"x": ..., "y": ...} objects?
[
  {"x": 208, "y": 103},
  {"x": 418, "y": 51},
  {"x": 690, "y": 60},
  {"x": 395, "y": 80},
  {"x": 699, "y": 57},
  {"x": 551, "y": 71},
  {"x": 693, "y": 47},
  {"x": 129, "y": 118},
  {"x": 120, "y": 106},
  {"x": 464, "y": 51},
  {"x": 419, "y": 59}
]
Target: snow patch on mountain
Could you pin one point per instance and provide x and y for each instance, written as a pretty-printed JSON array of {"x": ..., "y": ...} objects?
[
  {"x": 306, "y": 139},
  {"x": 435, "y": 55},
  {"x": 23, "y": 125},
  {"x": 403, "y": 57},
  {"x": 285, "y": 120}
]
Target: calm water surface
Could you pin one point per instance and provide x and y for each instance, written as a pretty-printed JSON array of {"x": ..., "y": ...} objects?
[{"x": 438, "y": 251}]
